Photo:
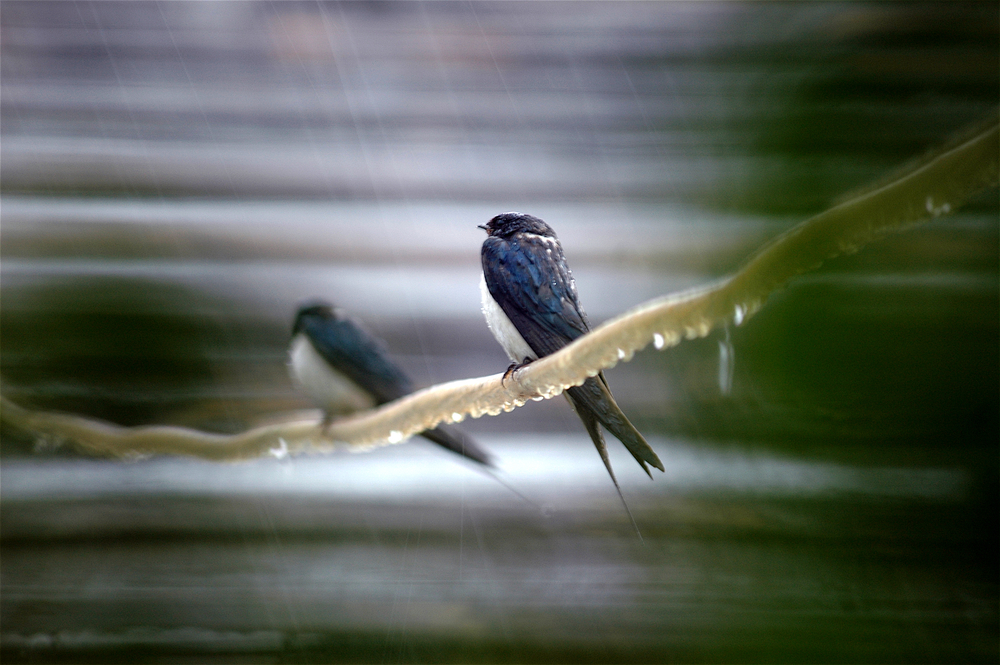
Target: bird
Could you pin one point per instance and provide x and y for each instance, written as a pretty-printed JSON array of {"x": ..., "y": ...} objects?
[
  {"x": 531, "y": 306},
  {"x": 344, "y": 368}
]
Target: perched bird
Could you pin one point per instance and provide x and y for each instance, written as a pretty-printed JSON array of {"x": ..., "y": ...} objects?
[
  {"x": 531, "y": 306},
  {"x": 343, "y": 368}
]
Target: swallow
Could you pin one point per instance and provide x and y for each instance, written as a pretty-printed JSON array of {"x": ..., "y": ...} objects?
[
  {"x": 343, "y": 368},
  {"x": 531, "y": 306}
]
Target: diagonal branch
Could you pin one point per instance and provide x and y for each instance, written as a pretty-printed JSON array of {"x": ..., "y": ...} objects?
[{"x": 934, "y": 186}]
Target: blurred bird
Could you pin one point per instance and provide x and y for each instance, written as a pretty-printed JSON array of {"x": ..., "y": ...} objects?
[
  {"x": 343, "y": 368},
  {"x": 531, "y": 306}
]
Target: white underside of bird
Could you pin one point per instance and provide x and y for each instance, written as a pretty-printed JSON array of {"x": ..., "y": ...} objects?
[
  {"x": 502, "y": 327},
  {"x": 331, "y": 390}
]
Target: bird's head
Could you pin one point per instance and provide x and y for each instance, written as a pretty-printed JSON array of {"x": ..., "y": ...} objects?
[
  {"x": 313, "y": 309},
  {"x": 507, "y": 224}
]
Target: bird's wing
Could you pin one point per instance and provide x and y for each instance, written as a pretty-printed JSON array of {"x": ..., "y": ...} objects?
[
  {"x": 529, "y": 279},
  {"x": 355, "y": 353}
]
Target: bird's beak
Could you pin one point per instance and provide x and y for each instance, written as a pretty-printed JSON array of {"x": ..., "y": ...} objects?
[{"x": 483, "y": 227}]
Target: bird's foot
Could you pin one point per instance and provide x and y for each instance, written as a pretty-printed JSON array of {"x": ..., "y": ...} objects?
[
  {"x": 324, "y": 426},
  {"x": 513, "y": 368}
]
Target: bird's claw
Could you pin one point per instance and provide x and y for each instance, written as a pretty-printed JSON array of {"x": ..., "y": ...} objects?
[
  {"x": 324, "y": 426},
  {"x": 510, "y": 370},
  {"x": 513, "y": 368}
]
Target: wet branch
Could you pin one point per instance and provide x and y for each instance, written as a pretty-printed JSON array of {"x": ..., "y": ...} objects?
[{"x": 936, "y": 185}]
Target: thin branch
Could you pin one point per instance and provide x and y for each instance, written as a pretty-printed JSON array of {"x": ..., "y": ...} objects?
[{"x": 935, "y": 186}]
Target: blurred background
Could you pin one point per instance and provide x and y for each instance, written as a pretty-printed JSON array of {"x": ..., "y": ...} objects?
[{"x": 176, "y": 176}]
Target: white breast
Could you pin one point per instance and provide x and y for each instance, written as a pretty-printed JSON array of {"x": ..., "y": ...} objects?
[
  {"x": 329, "y": 389},
  {"x": 502, "y": 328}
]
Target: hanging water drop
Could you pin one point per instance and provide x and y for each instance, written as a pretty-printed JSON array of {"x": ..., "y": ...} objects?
[
  {"x": 937, "y": 211},
  {"x": 658, "y": 341},
  {"x": 395, "y": 436},
  {"x": 727, "y": 361},
  {"x": 42, "y": 444},
  {"x": 281, "y": 452}
]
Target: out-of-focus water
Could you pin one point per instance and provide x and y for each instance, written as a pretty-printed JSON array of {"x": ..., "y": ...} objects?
[{"x": 176, "y": 176}]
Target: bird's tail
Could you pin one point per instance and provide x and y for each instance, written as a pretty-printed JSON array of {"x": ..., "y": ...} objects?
[
  {"x": 456, "y": 441},
  {"x": 595, "y": 398},
  {"x": 594, "y": 429}
]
